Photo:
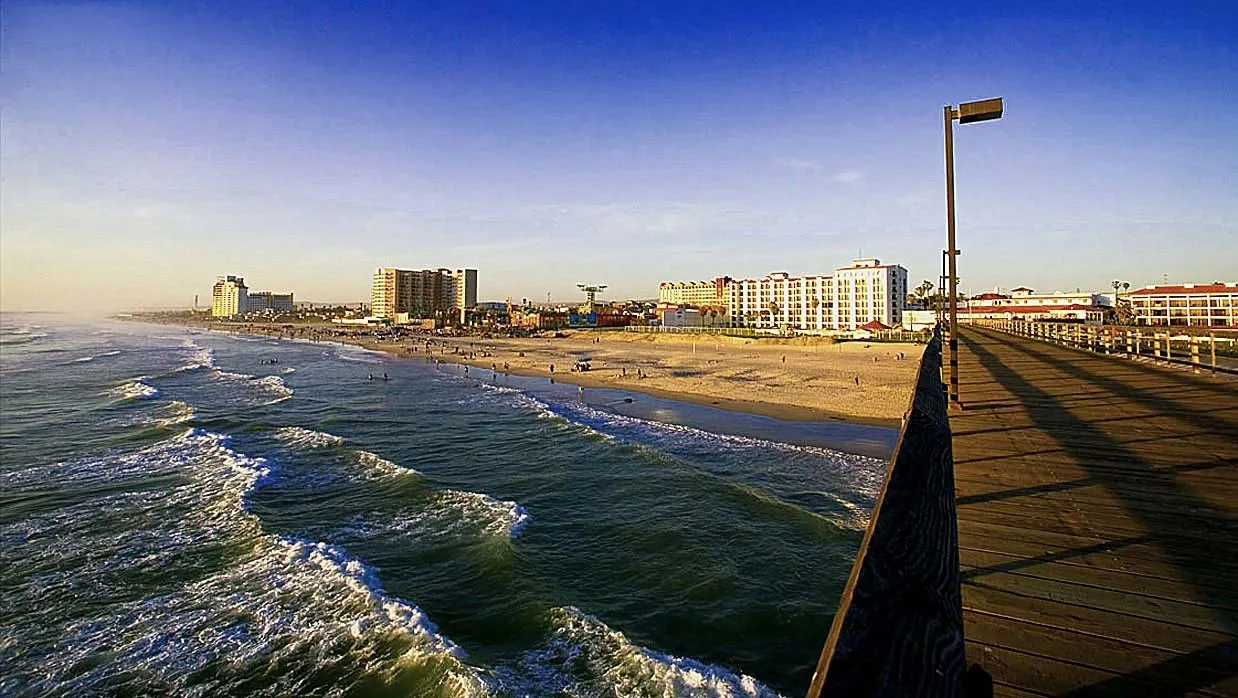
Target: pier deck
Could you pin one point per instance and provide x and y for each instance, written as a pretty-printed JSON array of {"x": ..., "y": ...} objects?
[{"x": 1097, "y": 521}]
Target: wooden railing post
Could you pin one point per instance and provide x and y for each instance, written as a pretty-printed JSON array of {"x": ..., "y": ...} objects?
[
  {"x": 1212, "y": 341},
  {"x": 1195, "y": 353}
]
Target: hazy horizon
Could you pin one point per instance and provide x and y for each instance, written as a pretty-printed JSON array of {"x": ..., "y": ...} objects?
[{"x": 149, "y": 148}]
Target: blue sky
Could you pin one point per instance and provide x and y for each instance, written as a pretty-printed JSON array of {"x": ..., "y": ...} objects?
[{"x": 148, "y": 147}]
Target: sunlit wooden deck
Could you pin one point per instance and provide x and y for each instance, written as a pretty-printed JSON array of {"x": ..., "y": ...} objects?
[{"x": 1097, "y": 522}]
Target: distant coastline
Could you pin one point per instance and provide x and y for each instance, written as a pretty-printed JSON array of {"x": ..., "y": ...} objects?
[{"x": 797, "y": 380}]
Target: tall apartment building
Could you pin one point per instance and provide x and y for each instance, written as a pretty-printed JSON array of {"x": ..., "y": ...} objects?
[
  {"x": 1207, "y": 305},
  {"x": 698, "y": 293},
  {"x": 780, "y": 300},
  {"x": 229, "y": 296},
  {"x": 854, "y": 295},
  {"x": 421, "y": 293},
  {"x": 869, "y": 290}
]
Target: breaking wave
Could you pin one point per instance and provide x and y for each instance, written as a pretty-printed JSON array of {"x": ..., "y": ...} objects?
[
  {"x": 585, "y": 657},
  {"x": 134, "y": 389},
  {"x": 280, "y": 606}
]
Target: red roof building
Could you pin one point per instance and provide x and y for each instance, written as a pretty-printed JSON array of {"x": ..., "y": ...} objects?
[{"x": 1201, "y": 305}]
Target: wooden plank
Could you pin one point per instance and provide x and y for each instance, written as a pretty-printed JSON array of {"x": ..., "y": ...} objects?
[
  {"x": 1146, "y": 562},
  {"x": 1209, "y": 670},
  {"x": 979, "y": 564},
  {"x": 1056, "y": 677},
  {"x": 1095, "y": 496},
  {"x": 1188, "y": 614}
]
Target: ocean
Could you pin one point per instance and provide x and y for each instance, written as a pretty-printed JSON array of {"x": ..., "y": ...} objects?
[{"x": 199, "y": 514}]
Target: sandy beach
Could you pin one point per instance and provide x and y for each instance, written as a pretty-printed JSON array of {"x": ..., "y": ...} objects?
[{"x": 800, "y": 379}]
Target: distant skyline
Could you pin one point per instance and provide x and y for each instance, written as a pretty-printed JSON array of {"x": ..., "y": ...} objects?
[{"x": 150, "y": 147}]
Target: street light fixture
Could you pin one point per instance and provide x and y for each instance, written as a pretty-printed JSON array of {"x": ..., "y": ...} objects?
[{"x": 966, "y": 113}]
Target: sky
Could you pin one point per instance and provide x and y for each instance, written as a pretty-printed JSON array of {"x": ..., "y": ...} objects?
[{"x": 149, "y": 147}]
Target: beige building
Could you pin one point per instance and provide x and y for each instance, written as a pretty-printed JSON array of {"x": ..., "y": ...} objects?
[
  {"x": 229, "y": 296},
  {"x": 853, "y": 296},
  {"x": 1202, "y": 305},
  {"x": 779, "y": 300},
  {"x": 421, "y": 293},
  {"x": 868, "y": 290},
  {"x": 696, "y": 293}
]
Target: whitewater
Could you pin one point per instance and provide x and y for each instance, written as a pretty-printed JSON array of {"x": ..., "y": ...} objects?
[{"x": 181, "y": 515}]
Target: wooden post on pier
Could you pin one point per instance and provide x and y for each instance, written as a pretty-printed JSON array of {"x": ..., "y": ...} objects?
[
  {"x": 1156, "y": 344},
  {"x": 1195, "y": 353},
  {"x": 1212, "y": 342},
  {"x": 1126, "y": 334},
  {"x": 1169, "y": 351}
]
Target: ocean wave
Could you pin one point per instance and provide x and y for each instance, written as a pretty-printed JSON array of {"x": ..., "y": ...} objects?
[
  {"x": 173, "y": 413},
  {"x": 269, "y": 389},
  {"x": 788, "y": 473},
  {"x": 496, "y": 517},
  {"x": 281, "y": 606},
  {"x": 306, "y": 438},
  {"x": 585, "y": 657},
  {"x": 133, "y": 389},
  {"x": 371, "y": 465},
  {"x": 355, "y": 354},
  {"x": 448, "y": 515},
  {"x": 199, "y": 356},
  {"x": 104, "y": 355}
]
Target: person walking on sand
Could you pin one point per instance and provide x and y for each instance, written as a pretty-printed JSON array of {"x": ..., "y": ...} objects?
[
  {"x": 857, "y": 379},
  {"x": 552, "y": 368}
]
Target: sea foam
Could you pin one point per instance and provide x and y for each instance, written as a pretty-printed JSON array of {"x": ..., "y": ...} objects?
[{"x": 584, "y": 656}]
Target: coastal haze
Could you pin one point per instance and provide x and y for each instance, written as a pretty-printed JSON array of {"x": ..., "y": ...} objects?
[{"x": 567, "y": 350}]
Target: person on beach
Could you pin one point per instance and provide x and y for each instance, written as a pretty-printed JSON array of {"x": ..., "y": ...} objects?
[{"x": 552, "y": 368}]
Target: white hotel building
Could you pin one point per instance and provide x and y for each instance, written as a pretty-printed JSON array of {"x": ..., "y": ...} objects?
[{"x": 855, "y": 295}]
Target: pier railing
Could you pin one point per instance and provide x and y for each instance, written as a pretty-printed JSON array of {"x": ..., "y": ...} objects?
[
  {"x": 1169, "y": 345},
  {"x": 898, "y": 630}
]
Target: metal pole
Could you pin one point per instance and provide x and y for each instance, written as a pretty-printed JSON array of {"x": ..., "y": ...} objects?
[
  {"x": 952, "y": 254},
  {"x": 941, "y": 288}
]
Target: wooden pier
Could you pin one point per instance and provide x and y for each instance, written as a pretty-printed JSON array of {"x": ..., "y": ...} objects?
[{"x": 1097, "y": 508}]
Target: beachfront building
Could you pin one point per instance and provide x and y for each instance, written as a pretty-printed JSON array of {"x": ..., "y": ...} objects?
[
  {"x": 695, "y": 293},
  {"x": 262, "y": 301},
  {"x": 784, "y": 302},
  {"x": 1203, "y": 305},
  {"x": 868, "y": 290},
  {"x": 1026, "y": 304},
  {"x": 229, "y": 296},
  {"x": 852, "y": 296},
  {"x": 421, "y": 293},
  {"x": 682, "y": 315}
]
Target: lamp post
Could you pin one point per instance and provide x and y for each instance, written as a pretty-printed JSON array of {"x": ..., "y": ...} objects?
[{"x": 966, "y": 113}]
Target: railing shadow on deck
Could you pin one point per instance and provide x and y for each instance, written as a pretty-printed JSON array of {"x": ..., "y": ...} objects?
[{"x": 899, "y": 627}]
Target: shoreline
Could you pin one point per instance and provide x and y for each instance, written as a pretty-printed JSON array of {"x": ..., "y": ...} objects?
[{"x": 494, "y": 351}]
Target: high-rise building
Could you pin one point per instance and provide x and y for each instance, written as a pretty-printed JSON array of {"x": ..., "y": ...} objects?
[
  {"x": 229, "y": 296},
  {"x": 466, "y": 288},
  {"x": 869, "y": 290},
  {"x": 421, "y": 293}
]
